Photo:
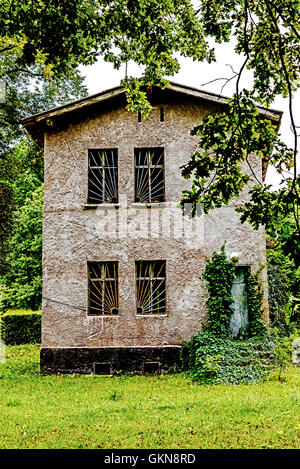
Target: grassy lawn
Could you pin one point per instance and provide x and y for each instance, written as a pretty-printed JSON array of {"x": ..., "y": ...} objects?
[{"x": 141, "y": 412}]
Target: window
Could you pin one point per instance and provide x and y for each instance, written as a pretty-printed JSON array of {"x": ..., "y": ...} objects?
[
  {"x": 151, "y": 287},
  {"x": 103, "y": 288},
  {"x": 149, "y": 175},
  {"x": 103, "y": 176}
]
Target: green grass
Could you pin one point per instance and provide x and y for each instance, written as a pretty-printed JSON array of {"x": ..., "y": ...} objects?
[{"x": 167, "y": 411}]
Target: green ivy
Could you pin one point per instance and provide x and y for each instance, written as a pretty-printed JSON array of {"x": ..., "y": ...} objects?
[
  {"x": 219, "y": 275},
  {"x": 255, "y": 293},
  {"x": 212, "y": 356},
  {"x": 208, "y": 359}
]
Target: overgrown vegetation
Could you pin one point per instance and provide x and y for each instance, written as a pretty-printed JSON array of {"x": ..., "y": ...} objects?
[
  {"x": 219, "y": 274},
  {"x": 255, "y": 293},
  {"x": 284, "y": 275},
  {"x": 216, "y": 360},
  {"x": 211, "y": 356},
  {"x": 168, "y": 411}
]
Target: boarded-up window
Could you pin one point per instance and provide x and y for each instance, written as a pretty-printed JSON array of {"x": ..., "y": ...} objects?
[
  {"x": 149, "y": 175},
  {"x": 103, "y": 176},
  {"x": 151, "y": 287},
  {"x": 103, "y": 288}
]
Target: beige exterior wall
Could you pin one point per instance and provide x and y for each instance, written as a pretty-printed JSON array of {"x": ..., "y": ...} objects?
[{"x": 72, "y": 235}]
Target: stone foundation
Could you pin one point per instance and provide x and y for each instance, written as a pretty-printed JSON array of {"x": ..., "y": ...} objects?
[{"x": 110, "y": 360}]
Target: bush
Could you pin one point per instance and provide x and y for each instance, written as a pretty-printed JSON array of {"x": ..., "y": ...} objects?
[
  {"x": 213, "y": 360},
  {"x": 21, "y": 327}
]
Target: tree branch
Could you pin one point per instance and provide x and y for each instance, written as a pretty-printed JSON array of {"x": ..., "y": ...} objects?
[
  {"x": 5, "y": 49},
  {"x": 290, "y": 92},
  {"x": 23, "y": 70}
]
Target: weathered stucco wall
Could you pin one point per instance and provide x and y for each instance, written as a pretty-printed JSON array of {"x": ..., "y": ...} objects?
[{"x": 73, "y": 235}]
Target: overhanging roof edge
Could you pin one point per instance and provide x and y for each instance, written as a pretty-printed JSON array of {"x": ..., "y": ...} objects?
[{"x": 107, "y": 94}]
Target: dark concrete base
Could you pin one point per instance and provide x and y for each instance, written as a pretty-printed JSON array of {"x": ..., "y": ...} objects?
[{"x": 110, "y": 360}]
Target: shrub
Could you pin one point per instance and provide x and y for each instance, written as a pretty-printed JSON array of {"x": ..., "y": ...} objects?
[
  {"x": 21, "y": 327},
  {"x": 213, "y": 360}
]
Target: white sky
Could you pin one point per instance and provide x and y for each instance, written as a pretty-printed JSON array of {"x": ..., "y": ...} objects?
[{"x": 102, "y": 76}]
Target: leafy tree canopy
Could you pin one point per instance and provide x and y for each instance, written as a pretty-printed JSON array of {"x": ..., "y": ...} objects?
[{"x": 62, "y": 34}]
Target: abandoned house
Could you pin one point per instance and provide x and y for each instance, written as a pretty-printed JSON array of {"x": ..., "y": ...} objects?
[{"x": 122, "y": 264}]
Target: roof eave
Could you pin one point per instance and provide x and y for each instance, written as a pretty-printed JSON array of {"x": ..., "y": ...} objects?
[{"x": 33, "y": 124}]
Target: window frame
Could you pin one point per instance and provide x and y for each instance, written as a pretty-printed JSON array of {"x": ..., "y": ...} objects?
[
  {"x": 111, "y": 298},
  {"x": 151, "y": 168},
  {"x": 162, "y": 280}
]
